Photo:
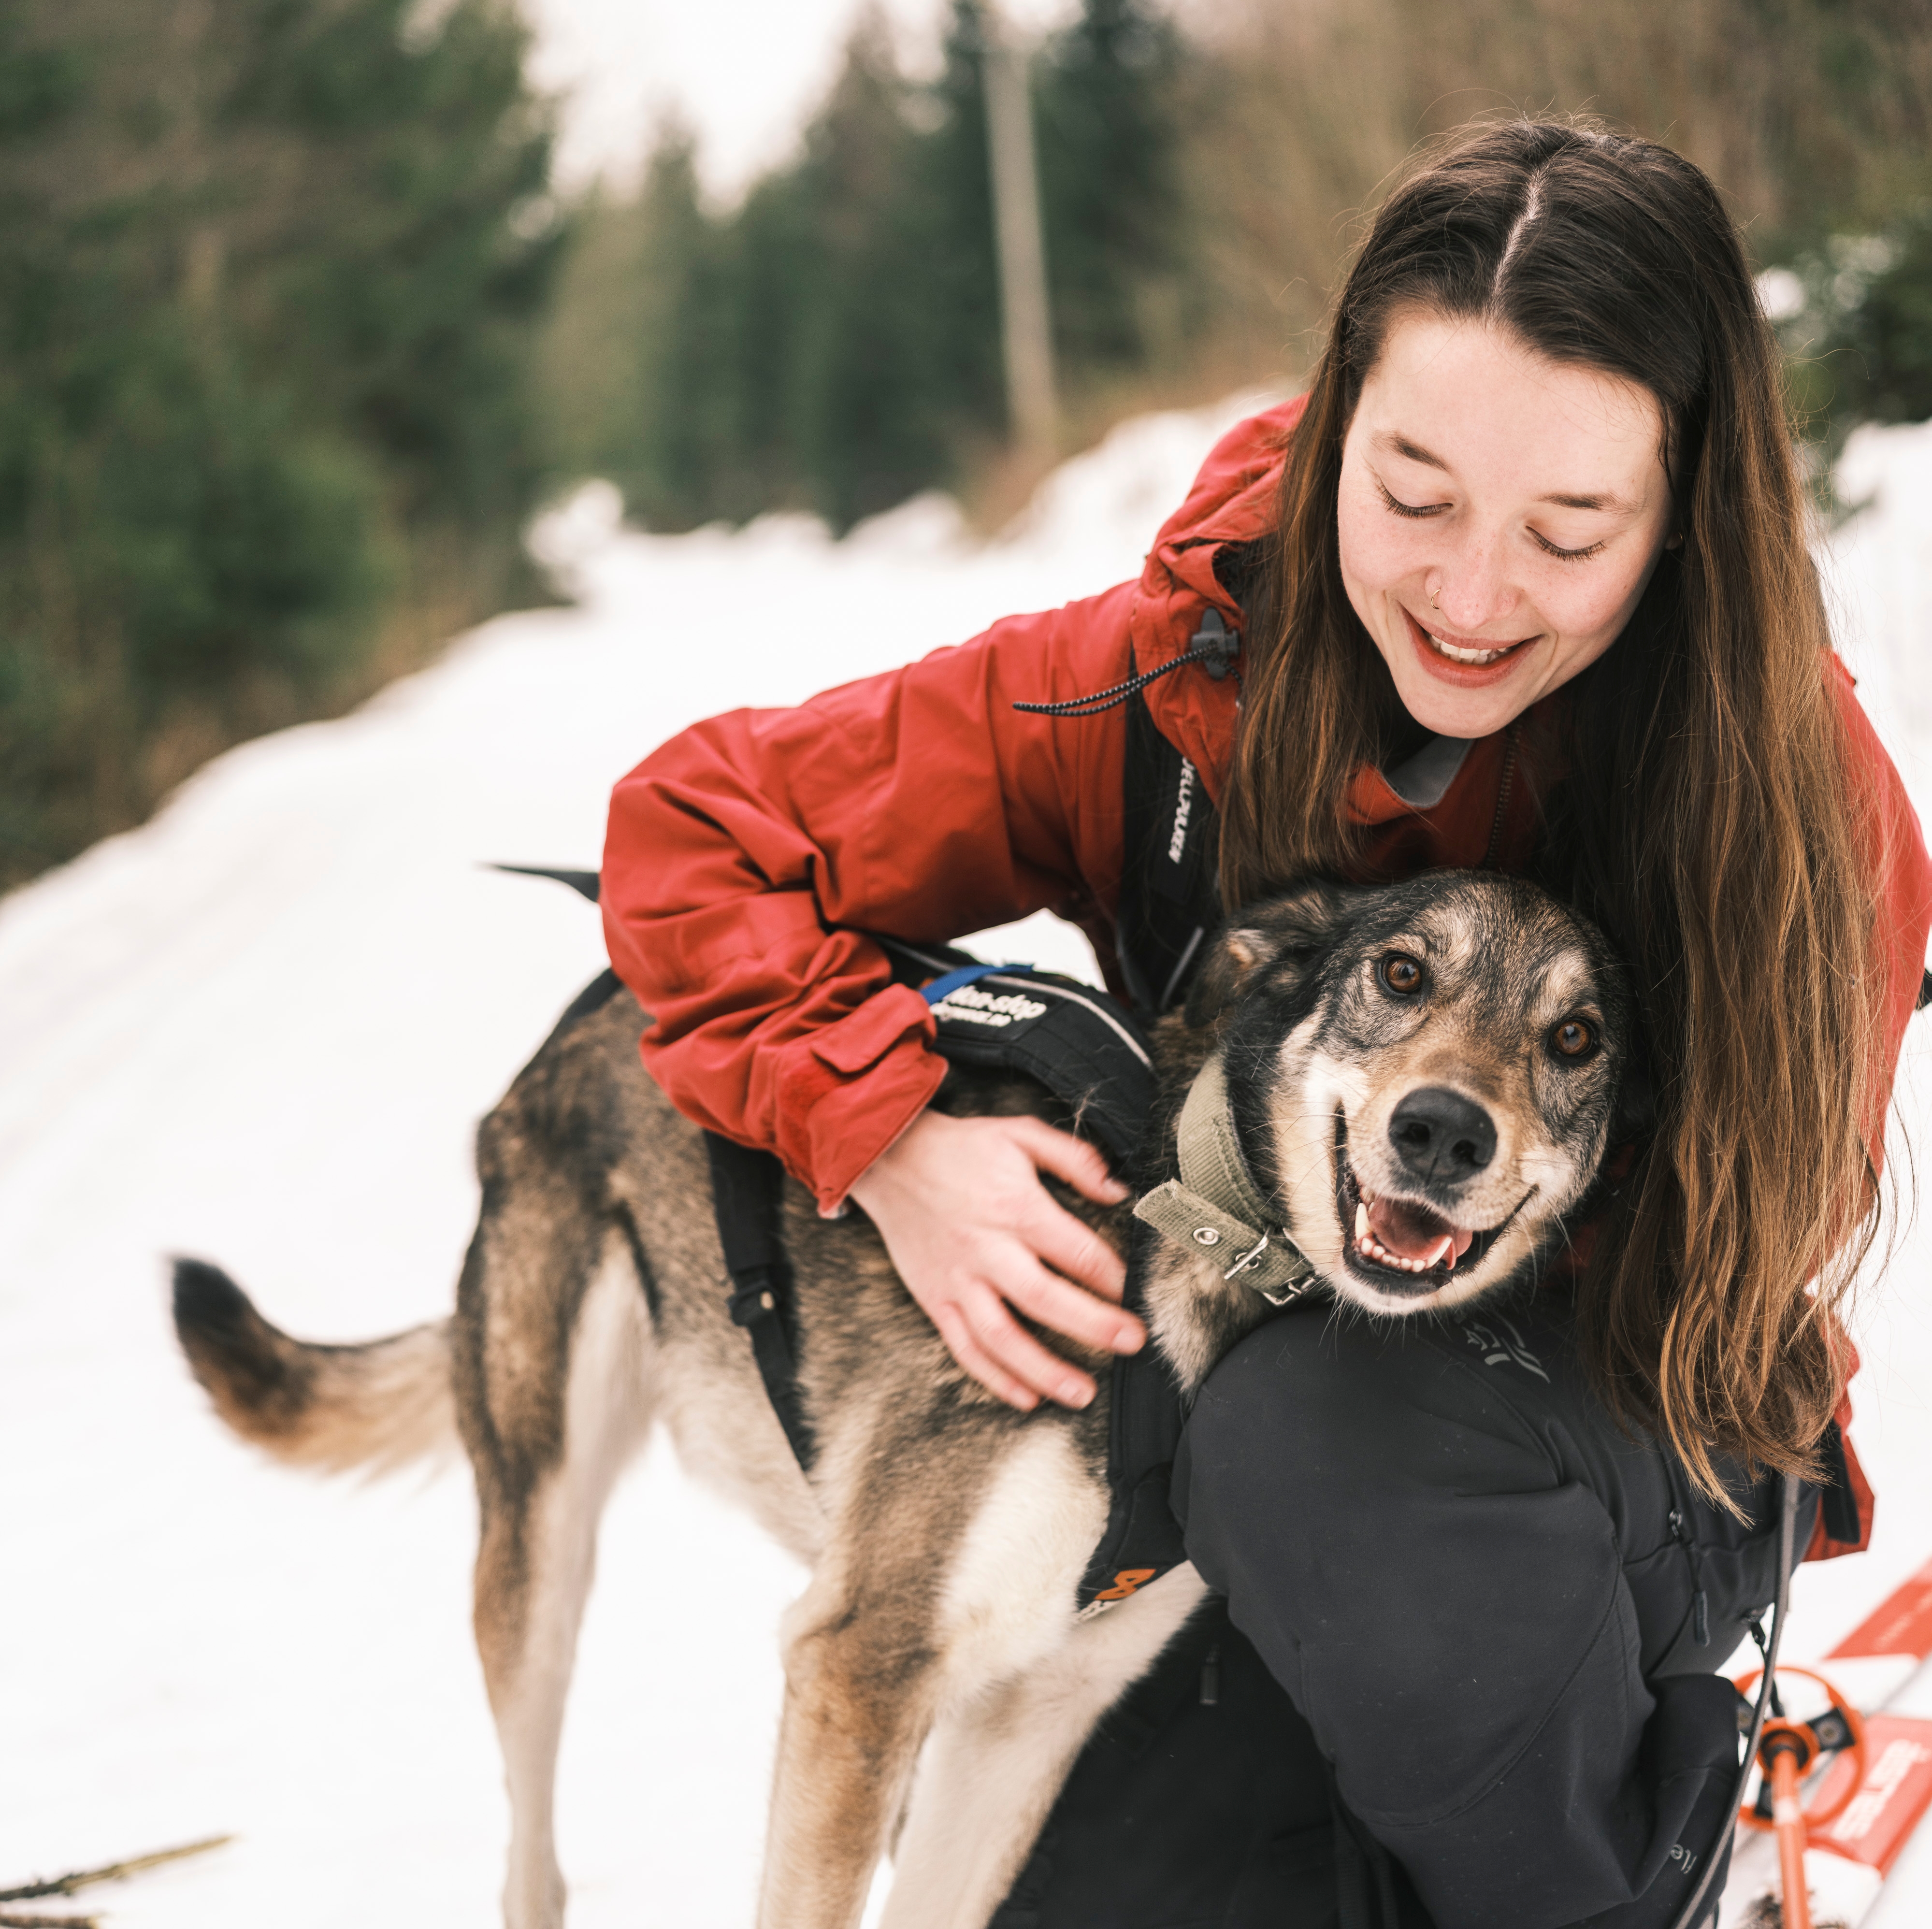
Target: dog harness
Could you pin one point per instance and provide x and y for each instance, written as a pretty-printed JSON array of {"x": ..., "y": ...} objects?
[{"x": 1092, "y": 1052}]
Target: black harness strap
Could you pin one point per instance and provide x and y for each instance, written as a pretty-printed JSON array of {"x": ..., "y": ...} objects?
[
  {"x": 747, "y": 1192},
  {"x": 1170, "y": 897},
  {"x": 1170, "y": 904}
]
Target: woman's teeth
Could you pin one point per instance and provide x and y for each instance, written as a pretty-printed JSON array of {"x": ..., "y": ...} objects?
[{"x": 1456, "y": 653}]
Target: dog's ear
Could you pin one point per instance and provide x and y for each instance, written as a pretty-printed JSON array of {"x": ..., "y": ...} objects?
[{"x": 1280, "y": 940}]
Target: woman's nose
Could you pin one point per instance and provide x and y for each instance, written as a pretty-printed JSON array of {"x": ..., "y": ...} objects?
[{"x": 1471, "y": 588}]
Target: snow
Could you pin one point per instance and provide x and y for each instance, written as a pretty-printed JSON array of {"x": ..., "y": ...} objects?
[{"x": 261, "y": 1029}]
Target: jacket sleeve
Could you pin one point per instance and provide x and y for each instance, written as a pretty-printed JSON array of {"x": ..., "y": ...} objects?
[
  {"x": 746, "y": 858},
  {"x": 1446, "y": 1605},
  {"x": 1902, "y": 879}
]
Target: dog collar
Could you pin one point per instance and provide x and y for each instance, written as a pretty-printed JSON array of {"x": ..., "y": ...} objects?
[{"x": 1215, "y": 1208}]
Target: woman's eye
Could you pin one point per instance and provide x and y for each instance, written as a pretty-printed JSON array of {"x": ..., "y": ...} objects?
[
  {"x": 1408, "y": 509},
  {"x": 1401, "y": 974},
  {"x": 1574, "y": 1039},
  {"x": 1550, "y": 548}
]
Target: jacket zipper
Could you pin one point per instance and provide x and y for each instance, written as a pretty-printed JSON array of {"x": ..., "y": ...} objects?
[
  {"x": 1700, "y": 1602},
  {"x": 1503, "y": 790}
]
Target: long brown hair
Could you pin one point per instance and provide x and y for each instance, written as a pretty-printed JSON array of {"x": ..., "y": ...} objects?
[{"x": 1704, "y": 817}]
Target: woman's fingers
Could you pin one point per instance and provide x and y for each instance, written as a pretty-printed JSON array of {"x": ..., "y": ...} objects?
[
  {"x": 1083, "y": 1167},
  {"x": 960, "y": 1207},
  {"x": 960, "y": 1342},
  {"x": 1014, "y": 1356},
  {"x": 1073, "y": 1248},
  {"x": 1058, "y": 1303}
]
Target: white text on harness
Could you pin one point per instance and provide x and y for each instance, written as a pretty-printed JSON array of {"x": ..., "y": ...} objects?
[{"x": 978, "y": 1007}]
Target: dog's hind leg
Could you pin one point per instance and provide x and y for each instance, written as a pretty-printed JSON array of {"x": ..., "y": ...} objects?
[
  {"x": 861, "y": 1684},
  {"x": 995, "y": 1765},
  {"x": 542, "y": 1490},
  {"x": 953, "y": 1571}
]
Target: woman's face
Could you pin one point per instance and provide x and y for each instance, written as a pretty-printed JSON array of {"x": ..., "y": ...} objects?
[{"x": 1500, "y": 515}]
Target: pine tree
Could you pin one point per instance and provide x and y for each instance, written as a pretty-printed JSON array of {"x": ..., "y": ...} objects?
[
  {"x": 834, "y": 343},
  {"x": 1108, "y": 114},
  {"x": 270, "y": 272}
]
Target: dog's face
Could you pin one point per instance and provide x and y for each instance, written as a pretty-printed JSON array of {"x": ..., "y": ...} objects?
[{"x": 1426, "y": 1075}]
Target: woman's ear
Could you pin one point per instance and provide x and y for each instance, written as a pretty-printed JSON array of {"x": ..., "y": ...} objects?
[{"x": 1280, "y": 940}]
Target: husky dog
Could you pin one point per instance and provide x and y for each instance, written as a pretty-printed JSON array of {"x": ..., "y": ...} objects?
[{"x": 1422, "y": 1079}]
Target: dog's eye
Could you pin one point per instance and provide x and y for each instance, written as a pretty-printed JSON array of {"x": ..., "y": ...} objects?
[
  {"x": 1401, "y": 974},
  {"x": 1574, "y": 1039}
]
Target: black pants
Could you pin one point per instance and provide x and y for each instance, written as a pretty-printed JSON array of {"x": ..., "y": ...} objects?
[
  {"x": 1465, "y": 1653},
  {"x": 1202, "y": 1802}
]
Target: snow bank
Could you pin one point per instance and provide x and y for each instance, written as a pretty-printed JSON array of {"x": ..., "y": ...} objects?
[{"x": 261, "y": 1030}]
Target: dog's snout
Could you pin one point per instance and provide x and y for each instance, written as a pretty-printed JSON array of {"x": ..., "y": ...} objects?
[{"x": 1440, "y": 1135}]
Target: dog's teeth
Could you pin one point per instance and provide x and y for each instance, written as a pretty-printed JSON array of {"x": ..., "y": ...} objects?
[{"x": 1361, "y": 1219}]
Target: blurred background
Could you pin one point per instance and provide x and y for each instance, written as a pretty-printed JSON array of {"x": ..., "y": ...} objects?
[{"x": 308, "y": 305}]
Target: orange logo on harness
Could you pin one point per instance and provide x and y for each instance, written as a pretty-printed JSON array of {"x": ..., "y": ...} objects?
[{"x": 1126, "y": 1582}]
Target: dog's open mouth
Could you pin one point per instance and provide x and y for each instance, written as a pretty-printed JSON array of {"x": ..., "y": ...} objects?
[{"x": 1401, "y": 1246}]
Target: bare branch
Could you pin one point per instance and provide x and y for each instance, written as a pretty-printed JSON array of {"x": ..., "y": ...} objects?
[{"x": 86, "y": 1878}]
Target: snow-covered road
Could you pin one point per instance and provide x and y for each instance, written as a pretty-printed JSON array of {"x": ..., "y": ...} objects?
[{"x": 261, "y": 1030}]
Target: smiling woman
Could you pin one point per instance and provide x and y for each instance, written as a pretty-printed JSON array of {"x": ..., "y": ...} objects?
[
  {"x": 1522, "y": 585},
  {"x": 1549, "y": 420}
]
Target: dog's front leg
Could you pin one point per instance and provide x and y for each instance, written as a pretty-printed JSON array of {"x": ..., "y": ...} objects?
[
  {"x": 860, "y": 1679},
  {"x": 997, "y": 1764}
]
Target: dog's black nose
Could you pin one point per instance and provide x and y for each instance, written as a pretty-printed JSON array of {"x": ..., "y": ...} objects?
[{"x": 1440, "y": 1135}]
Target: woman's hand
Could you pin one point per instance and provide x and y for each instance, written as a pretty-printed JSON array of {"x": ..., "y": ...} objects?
[{"x": 974, "y": 1234}]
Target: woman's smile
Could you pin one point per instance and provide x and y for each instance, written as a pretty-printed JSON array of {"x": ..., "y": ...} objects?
[
  {"x": 1468, "y": 662},
  {"x": 1499, "y": 514}
]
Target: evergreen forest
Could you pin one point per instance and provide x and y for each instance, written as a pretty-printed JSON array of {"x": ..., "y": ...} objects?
[
  {"x": 272, "y": 273},
  {"x": 298, "y": 332}
]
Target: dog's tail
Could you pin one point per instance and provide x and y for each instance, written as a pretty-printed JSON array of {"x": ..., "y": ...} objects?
[{"x": 327, "y": 1408}]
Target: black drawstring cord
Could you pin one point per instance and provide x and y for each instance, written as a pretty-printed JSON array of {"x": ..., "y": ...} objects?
[{"x": 1213, "y": 645}]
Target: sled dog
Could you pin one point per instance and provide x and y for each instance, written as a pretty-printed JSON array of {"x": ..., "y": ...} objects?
[{"x": 1423, "y": 1079}]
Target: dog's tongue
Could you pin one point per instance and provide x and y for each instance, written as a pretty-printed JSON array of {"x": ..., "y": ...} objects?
[{"x": 1412, "y": 1232}]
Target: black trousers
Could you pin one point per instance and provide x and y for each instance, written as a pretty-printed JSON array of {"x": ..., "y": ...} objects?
[
  {"x": 1202, "y": 1802},
  {"x": 1461, "y": 1669}
]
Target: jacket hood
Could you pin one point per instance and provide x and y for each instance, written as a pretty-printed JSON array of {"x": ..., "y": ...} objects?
[{"x": 1232, "y": 500}]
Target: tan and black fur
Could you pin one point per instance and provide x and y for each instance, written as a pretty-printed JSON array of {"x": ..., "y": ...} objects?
[{"x": 946, "y": 1533}]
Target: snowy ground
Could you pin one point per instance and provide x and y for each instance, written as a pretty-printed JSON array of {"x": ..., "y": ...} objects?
[{"x": 261, "y": 1030}]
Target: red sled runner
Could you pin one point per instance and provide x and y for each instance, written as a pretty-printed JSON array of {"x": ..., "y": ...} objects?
[{"x": 1852, "y": 1783}]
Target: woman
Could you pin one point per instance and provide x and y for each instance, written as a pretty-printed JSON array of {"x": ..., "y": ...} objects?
[{"x": 1522, "y": 582}]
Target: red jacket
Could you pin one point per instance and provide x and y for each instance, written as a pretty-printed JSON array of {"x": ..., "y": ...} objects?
[
  {"x": 922, "y": 803},
  {"x": 741, "y": 854}
]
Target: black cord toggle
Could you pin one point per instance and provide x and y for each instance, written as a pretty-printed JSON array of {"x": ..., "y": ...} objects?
[{"x": 1213, "y": 645}]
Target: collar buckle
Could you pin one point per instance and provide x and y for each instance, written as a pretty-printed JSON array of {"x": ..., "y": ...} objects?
[{"x": 1247, "y": 1259}]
